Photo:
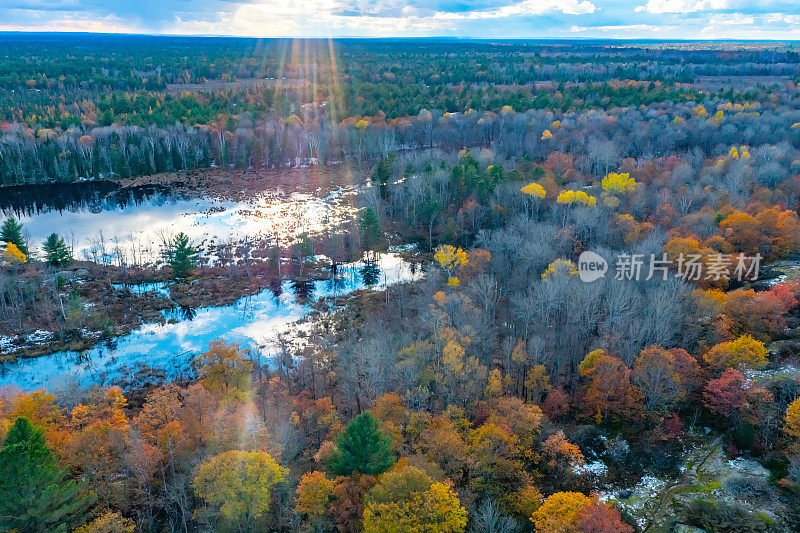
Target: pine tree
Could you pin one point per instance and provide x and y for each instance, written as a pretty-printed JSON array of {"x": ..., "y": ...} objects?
[
  {"x": 361, "y": 447},
  {"x": 36, "y": 494},
  {"x": 181, "y": 256},
  {"x": 370, "y": 228},
  {"x": 56, "y": 251},
  {"x": 11, "y": 231}
]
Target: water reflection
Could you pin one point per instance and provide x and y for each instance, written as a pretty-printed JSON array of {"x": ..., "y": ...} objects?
[
  {"x": 94, "y": 197},
  {"x": 254, "y": 322},
  {"x": 184, "y": 311},
  {"x": 303, "y": 289},
  {"x": 370, "y": 273},
  {"x": 104, "y": 223}
]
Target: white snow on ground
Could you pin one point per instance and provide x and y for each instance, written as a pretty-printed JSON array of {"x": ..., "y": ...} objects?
[
  {"x": 7, "y": 344},
  {"x": 783, "y": 371},
  {"x": 595, "y": 468},
  {"x": 643, "y": 494},
  {"x": 779, "y": 279},
  {"x": 39, "y": 336}
]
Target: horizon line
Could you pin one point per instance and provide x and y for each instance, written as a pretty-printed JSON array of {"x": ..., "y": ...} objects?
[{"x": 376, "y": 38}]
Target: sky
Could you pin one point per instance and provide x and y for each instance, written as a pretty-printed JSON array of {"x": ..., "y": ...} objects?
[{"x": 491, "y": 19}]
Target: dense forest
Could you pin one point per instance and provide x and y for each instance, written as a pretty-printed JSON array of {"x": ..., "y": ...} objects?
[
  {"x": 90, "y": 108},
  {"x": 500, "y": 391}
]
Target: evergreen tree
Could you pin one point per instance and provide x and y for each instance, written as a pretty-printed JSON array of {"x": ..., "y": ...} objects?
[
  {"x": 36, "y": 496},
  {"x": 181, "y": 256},
  {"x": 11, "y": 231},
  {"x": 56, "y": 251},
  {"x": 383, "y": 173},
  {"x": 370, "y": 228},
  {"x": 361, "y": 447}
]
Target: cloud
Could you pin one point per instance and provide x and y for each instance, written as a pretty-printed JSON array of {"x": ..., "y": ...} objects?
[
  {"x": 773, "y": 18},
  {"x": 373, "y": 18},
  {"x": 683, "y": 6},
  {"x": 730, "y": 18},
  {"x": 648, "y": 28},
  {"x": 524, "y": 8}
]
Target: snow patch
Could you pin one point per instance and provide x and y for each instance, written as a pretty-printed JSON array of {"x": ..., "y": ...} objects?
[{"x": 595, "y": 468}]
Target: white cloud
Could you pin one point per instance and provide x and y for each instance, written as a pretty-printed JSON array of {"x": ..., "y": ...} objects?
[
  {"x": 526, "y": 7},
  {"x": 319, "y": 18},
  {"x": 406, "y": 18},
  {"x": 683, "y": 6},
  {"x": 622, "y": 27},
  {"x": 743, "y": 26},
  {"x": 310, "y": 18},
  {"x": 626, "y": 31},
  {"x": 772, "y": 18},
  {"x": 727, "y": 19},
  {"x": 77, "y": 23}
]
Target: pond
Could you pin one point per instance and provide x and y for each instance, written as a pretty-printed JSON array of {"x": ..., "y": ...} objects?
[
  {"x": 255, "y": 322},
  {"x": 107, "y": 223},
  {"x": 104, "y": 223}
]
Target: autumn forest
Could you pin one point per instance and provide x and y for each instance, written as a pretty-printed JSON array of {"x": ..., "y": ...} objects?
[{"x": 398, "y": 285}]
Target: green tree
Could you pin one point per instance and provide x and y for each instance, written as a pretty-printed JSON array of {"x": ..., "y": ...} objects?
[
  {"x": 11, "y": 231},
  {"x": 181, "y": 256},
  {"x": 56, "y": 251},
  {"x": 370, "y": 228},
  {"x": 361, "y": 447},
  {"x": 238, "y": 485},
  {"x": 36, "y": 496},
  {"x": 383, "y": 173}
]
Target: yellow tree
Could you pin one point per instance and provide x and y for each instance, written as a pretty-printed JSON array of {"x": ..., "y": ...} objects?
[
  {"x": 536, "y": 193},
  {"x": 560, "y": 268},
  {"x": 313, "y": 495},
  {"x": 745, "y": 351},
  {"x": 450, "y": 258},
  {"x": 224, "y": 371},
  {"x": 618, "y": 183},
  {"x": 590, "y": 361},
  {"x": 524, "y": 502},
  {"x": 535, "y": 190},
  {"x": 406, "y": 499},
  {"x": 237, "y": 485},
  {"x": 13, "y": 254},
  {"x": 569, "y": 197},
  {"x": 108, "y": 522},
  {"x": 793, "y": 419},
  {"x": 560, "y": 513}
]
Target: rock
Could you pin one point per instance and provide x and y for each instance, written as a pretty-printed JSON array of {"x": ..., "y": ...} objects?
[
  {"x": 82, "y": 273},
  {"x": 624, "y": 494},
  {"x": 706, "y": 430},
  {"x": 683, "y": 528},
  {"x": 66, "y": 275},
  {"x": 785, "y": 347}
]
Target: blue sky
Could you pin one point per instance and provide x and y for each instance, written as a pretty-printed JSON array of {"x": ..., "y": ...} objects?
[{"x": 660, "y": 19}]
